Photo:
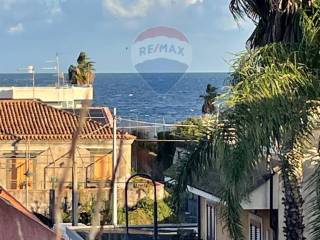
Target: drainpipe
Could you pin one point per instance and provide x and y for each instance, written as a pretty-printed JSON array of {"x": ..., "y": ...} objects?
[
  {"x": 272, "y": 214},
  {"x": 271, "y": 209},
  {"x": 271, "y": 200}
]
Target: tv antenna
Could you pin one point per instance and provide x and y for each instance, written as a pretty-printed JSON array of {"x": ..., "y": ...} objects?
[{"x": 56, "y": 67}]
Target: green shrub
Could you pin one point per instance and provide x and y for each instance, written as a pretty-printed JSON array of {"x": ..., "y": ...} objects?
[{"x": 142, "y": 212}]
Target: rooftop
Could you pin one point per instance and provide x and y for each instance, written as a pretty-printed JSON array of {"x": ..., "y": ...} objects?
[
  {"x": 60, "y": 97},
  {"x": 35, "y": 120},
  {"x": 17, "y": 222}
]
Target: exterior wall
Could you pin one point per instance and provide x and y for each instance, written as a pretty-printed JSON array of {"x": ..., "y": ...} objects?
[
  {"x": 55, "y": 155},
  {"x": 62, "y": 97},
  {"x": 39, "y": 199},
  {"x": 38, "y": 193},
  {"x": 3, "y": 173},
  {"x": 265, "y": 222},
  {"x": 222, "y": 233},
  {"x": 259, "y": 198}
]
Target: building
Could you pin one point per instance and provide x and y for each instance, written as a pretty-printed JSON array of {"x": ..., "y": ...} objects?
[
  {"x": 66, "y": 96},
  {"x": 18, "y": 223},
  {"x": 35, "y": 141},
  {"x": 262, "y": 213},
  {"x": 259, "y": 219}
]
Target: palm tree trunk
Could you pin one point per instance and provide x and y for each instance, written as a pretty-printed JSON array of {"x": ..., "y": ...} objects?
[{"x": 292, "y": 200}]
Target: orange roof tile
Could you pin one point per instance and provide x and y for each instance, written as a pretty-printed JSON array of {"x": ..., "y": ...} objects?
[{"x": 34, "y": 120}]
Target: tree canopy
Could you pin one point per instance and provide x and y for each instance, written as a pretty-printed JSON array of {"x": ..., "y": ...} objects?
[
  {"x": 83, "y": 73},
  {"x": 273, "y": 110}
]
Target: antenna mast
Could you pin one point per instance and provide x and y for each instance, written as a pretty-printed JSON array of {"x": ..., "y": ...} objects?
[{"x": 58, "y": 68}]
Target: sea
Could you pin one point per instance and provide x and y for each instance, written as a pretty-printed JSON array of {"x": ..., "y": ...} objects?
[{"x": 136, "y": 97}]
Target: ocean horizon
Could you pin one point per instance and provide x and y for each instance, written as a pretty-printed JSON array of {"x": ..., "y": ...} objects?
[{"x": 138, "y": 98}]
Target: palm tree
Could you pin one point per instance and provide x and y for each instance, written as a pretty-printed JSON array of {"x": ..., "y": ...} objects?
[
  {"x": 83, "y": 73},
  {"x": 273, "y": 109},
  {"x": 209, "y": 98},
  {"x": 276, "y": 21}
]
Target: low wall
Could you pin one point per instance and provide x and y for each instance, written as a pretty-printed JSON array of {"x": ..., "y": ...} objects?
[{"x": 39, "y": 199}]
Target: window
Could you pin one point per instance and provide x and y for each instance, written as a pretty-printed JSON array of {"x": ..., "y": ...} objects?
[
  {"x": 211, "y": 222},
  {"x": 102, "y": 167},
  {"x": 255, "y": 231}
]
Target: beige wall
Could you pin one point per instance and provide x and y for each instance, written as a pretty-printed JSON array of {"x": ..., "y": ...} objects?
[
  {"x": 259, "y": 197},
  {"x": 260, "y": 201},
  {"x": 51, "y": 151},
  {"x": 221, "y": 231},
  {"x": 52, "y": 155}
]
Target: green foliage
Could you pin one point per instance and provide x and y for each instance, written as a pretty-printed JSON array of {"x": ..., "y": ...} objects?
[
  {"x": 166, "y": 152},
  {"x": 83, "y": 73},
  {"x": 209, "y": 100},
  {"x": 273, "y": 108},
  {"x": 142, "y": 212},
  {"x": 195, "y": 128}
]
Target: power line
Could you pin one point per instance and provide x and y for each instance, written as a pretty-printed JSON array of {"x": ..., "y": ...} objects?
[
  {"x": 165, "y": 140},
  {"x": 158, "y": 124}
]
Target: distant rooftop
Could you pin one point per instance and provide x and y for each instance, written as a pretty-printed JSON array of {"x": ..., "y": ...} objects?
[
  {"x": 35, "y": 120},
  {"x": 102, "y": 115}
]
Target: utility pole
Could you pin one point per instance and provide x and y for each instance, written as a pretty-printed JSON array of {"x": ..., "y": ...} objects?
[
  {"x": 75, "y": 195},
  {"x": 114, "y": 163}
]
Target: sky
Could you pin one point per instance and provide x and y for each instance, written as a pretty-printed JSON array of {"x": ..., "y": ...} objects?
[{"x": 32, "y": 31}]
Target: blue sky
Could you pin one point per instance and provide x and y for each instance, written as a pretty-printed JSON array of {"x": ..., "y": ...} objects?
[{"x": 32, "y": 31}]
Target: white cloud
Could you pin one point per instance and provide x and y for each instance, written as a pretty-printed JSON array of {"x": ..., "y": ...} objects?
[
  {"x": 140, "y": 8},
  {"x": 137, "y": 9},
  {"x": 192, "y": 2},
  {"x": 16, "y": 28}
]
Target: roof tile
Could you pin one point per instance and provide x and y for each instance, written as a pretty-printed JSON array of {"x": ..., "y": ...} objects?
[{"x": 34, "y": 120}]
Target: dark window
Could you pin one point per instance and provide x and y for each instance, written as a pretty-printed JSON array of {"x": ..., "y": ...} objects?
[
  {"x": 255, "y": 231},
  {"x": 211, "y": 222}
]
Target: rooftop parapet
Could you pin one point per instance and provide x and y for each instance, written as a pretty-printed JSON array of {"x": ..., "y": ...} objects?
[{"x": 60, "y": 97}]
